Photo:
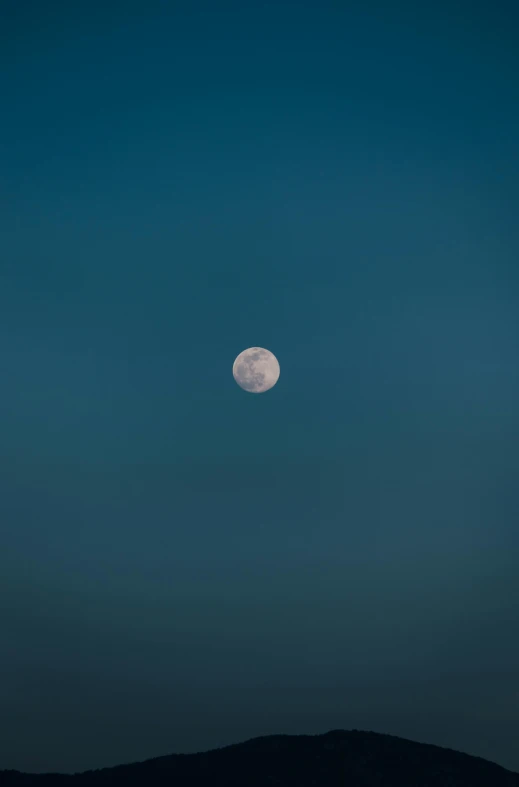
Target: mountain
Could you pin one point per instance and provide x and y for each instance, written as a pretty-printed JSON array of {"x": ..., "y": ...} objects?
[{"x": 338, "y": 758}]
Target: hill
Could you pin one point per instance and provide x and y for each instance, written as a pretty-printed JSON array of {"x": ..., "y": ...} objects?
[{"x": 336, "y": 759}]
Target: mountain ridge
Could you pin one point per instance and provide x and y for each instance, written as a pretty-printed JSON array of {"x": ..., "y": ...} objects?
[{"x": 349, "y": 758}]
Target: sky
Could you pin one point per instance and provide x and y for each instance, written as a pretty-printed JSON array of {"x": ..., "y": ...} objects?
[{"x": 185, "y": 565}]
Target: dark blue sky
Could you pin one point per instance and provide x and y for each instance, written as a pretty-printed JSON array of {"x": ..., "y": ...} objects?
[{"x": 184, "y": 565}]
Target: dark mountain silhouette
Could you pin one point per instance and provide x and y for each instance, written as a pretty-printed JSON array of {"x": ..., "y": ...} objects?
[{"x": 335, "y": 759}]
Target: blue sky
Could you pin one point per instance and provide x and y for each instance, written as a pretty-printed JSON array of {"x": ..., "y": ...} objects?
[{"x": 185, "y": 565}]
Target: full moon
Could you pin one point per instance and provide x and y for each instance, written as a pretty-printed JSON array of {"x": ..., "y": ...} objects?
[{"x": 256, "y": 370}]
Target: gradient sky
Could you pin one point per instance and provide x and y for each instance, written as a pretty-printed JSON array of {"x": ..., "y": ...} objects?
[{"x": 184, "y": 565}]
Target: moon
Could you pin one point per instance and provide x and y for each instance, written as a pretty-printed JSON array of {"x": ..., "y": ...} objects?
[{"x": 256, "y": 370}]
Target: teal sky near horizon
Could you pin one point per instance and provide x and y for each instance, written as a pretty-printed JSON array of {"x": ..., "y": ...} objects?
[{"x": 184, "y": 565}]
